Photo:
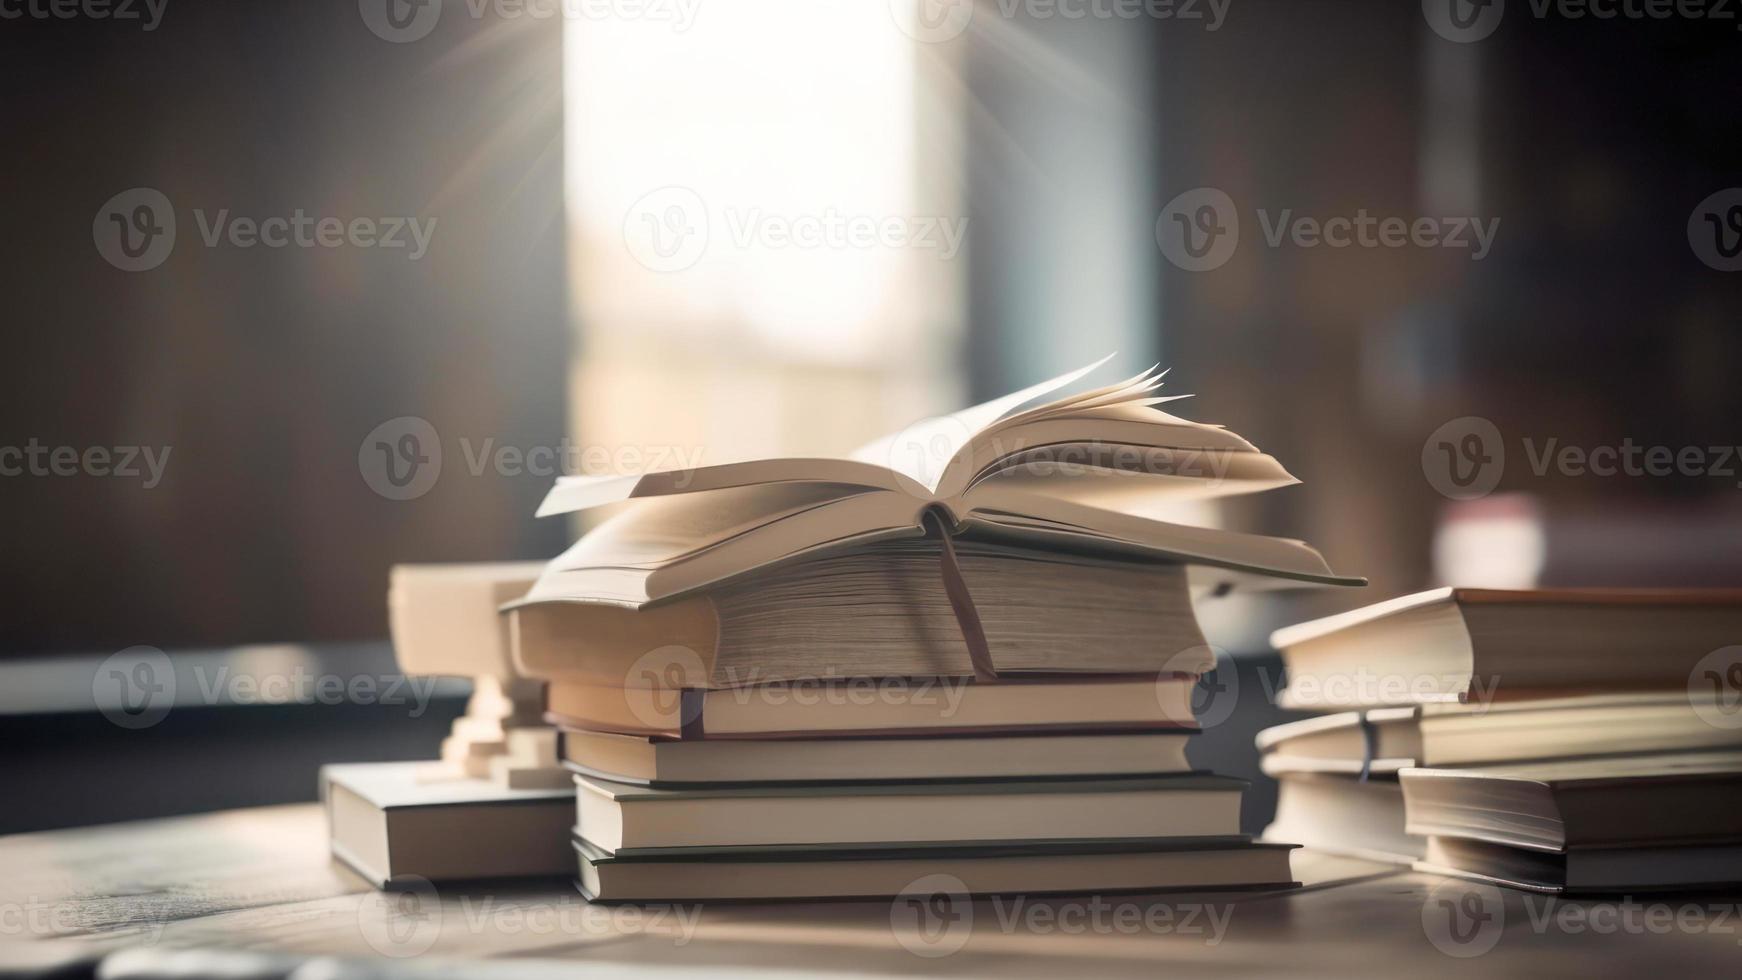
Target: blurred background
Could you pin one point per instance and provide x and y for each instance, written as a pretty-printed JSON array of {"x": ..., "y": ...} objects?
[{"x": 334, "y": 286}]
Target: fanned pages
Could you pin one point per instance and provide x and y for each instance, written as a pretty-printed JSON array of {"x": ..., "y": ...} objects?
[{"x": 1087, "y": 473}]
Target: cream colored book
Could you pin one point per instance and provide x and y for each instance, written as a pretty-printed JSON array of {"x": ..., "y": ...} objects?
[
  {"x": 1092, "y": 471},
  {"x": 1490, "y": 644},
  {"x": 1026, "y": 869},
  {"x": 1631, "y": 801},
  {"x": 619, "y": 816},
  {"x": 1450, "y": 734},
  {"x": 663, "y": 761},
  {"x": 444, "y": 618}
]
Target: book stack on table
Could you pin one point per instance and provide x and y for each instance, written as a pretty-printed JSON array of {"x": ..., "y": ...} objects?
[
  {"x": 1559, "y": 740},
  {"x": 497, "y": 800},
  {"x": 967, "y": 651},
  {"x": 810, "y": 678}
]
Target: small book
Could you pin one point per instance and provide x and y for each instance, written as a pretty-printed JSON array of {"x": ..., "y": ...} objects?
[
  {"x": 881, "y": 706},
  {"x": 444, "y": 618},
  {"x": 1449, "y": 734},
  {"x": 1624, "y": 869},
  {"x": 1625, "y": 802},
  {"x": 665, "y": 762},
  {"x": 1032, "y": 868},
  {"x": 620, "y": 817},
  {"x": 1092, "y": 474},
  {"x": 387, "y": 823},
  {"x": 1341, "y": 814},
  {"x": 1484, "y": 644}
]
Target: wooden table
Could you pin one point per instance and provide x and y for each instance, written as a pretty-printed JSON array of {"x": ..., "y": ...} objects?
[{"x": 254, "y": 893}]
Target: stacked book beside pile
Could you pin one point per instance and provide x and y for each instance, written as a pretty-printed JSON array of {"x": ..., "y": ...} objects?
[
  {"x": 1551, "y": 739},
  {"x": 497, "y": 803},
  {"x": 968, "y": 651}
]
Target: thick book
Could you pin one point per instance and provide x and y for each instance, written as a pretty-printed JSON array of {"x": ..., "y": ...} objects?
[
  {"x": 669, "y": 762},
  {"x": 1624, "y": 870},
  {"x": 388, "y": 823},
  {"x": 1343, "y": 814},
  {"x": 878, "y": 609},
  {"x": 1642, "y": 801},
  {"x": 880, "y": 706},
  {"x": 1487, "y": 644},
  {"x": 1508, "y": 731},
  {"x": 1092, "y": 473},
  {"x": 620, "y": 817},
  {"x": 1025, "y": 868}
]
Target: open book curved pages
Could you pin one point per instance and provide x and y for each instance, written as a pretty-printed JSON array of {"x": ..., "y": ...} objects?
[{"x": 1085, "y": 473}]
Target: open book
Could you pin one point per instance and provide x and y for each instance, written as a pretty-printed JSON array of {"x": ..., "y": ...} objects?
[{"x": 1087, "y": 473}]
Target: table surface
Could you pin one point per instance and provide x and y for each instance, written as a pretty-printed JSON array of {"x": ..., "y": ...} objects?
[{"x": 254, "y": 893}]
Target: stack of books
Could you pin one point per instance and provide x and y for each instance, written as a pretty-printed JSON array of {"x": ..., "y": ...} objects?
[
  {"x": 968, "y": 651},
  {"x": 1550, "y": 739},
  {"x": 497, "y": 803}
]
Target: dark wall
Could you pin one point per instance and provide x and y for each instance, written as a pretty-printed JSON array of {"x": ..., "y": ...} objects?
[{"x": 259, "y": 370}]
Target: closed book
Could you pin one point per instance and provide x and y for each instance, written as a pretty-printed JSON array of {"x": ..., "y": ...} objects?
[
  {"x": 666, "y": 762},
  {"x": 927, "y": 875},
  {"x": 388, "y": 823},
  {"x": 880, "y": 706},
  {"x": 621, "y": 816},
  {"x": 1622, "y": 870},
  {"x": 1451, "y": 734},
  {"x": 1486, "y": 645},
  {"x": 1631, "y": 801}
]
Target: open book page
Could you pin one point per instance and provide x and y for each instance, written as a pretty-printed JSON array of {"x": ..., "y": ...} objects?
[{"x": 924, "y": 450}]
